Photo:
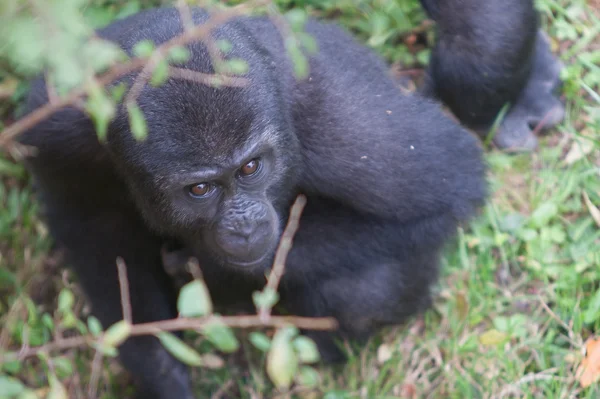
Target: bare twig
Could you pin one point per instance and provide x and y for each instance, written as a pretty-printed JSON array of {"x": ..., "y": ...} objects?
[
  {"x": 95, "y": 374},
  {"x": 250, "y": 321},
  {"x": 285, "y": 245},
  {"x": 207, "y": 78},
  {"x": 198, "y": 33},
  {"x": 185, "y": 14},
  {"x": 124, "y": 287}
]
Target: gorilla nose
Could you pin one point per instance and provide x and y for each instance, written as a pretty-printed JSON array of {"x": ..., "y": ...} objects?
[{"x": 245, "y": 242}]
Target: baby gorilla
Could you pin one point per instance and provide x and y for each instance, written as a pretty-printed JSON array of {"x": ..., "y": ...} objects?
[{"x": 388, "y": 178}]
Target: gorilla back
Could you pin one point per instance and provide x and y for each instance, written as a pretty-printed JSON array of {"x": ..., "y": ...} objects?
[{"x": 388, "y": 178}]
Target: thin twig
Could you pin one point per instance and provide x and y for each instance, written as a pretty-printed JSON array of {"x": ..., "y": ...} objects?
[
  {"x": 198, "y": 33},
  {"x": 285, "y": 245},
  {"x": 185, "y": 14},
  {"x": 124, "y": 287},
  {"x": 249, "y": 321},
  {"x": 210, "y": 79},
  {"x": 95, "y": 374}
]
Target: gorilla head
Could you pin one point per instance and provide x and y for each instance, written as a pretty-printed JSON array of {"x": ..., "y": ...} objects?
[{"x": 223, "y": 182}]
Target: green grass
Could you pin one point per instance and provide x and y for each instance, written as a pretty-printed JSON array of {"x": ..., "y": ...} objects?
[{"x": 520, "y": 291}]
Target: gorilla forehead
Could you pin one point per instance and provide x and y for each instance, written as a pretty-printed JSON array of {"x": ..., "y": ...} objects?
[{"x": 190, "y": 124}]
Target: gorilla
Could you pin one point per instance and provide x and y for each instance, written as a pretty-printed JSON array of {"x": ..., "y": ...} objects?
[{"x": 388, "y": 176}]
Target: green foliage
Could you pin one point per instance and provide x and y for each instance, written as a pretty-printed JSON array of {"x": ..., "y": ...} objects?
[
  {"x": 194, "y": 300},
  {"x": 179, "y": 349}
]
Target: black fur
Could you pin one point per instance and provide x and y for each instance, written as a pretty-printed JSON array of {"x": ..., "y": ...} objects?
[{"x": 388, "y": 178}]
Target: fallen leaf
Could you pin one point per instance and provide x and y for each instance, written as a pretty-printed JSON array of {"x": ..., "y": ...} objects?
[
  {"x": 384, "y": 353},
  {"x": 588, "y": 371},
  {"x": 579, "y": 149},
  {"x": 492, "y": 337},
  {"x": 594, "y": 211}
]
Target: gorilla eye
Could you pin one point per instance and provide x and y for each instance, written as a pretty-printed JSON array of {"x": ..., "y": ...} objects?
[
  {"x": 199, "y": 190},
  {"x": 250, "y": 168}
]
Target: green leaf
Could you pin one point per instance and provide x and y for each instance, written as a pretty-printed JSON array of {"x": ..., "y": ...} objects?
[
  {"x": 282, "y": 362},
  {"x": 179, "y": 54},
  {"x": 297, "y": 18},
  {"x": 265, "y": 299},
  {"x": 308, "y": 42},
  {"x": 102, "y": 110},
  {"x": 306, "y": 349},
  {"x": 137, "y": 121},
  {"x": 94, "y": 326},
  {"x": 543, "y": 214},
  {"x": 308, "y": 377},
  {"x": 11, "y": 386},
  {"x": 179, "y": 349},
  {"x": 194, "y": 300},
  {"x": 160, "y": 74},
  {"x": 57, "y": 390},
  {"x": 299, "y": 60},
  {"x": 592, "y": 312},
  {"x": 221, "y": 337},
  {"x": 260, "y": 341},
  {"x": 237, "y": 66},
  {"x": 117, "y": 333},
  {"x": 224, "y": 45},
  {"x": 63, "y": 366},
  {"x": 143, "y": 48},
  {"x": 66, "y": 300},
  {"x": 118, "y": 91}
]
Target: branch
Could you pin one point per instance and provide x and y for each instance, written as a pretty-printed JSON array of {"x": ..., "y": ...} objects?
[
  {"x": 197, "y": 33},
  {"x": 250, "y": 321},
  {"x": 124, "y": 287},
  {"x": 285, "y": 245}
]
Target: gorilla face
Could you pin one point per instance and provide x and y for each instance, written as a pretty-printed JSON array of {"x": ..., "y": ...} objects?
[{"x": 221, "y": 181}]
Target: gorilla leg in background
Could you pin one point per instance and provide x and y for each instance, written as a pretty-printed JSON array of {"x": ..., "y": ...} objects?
[{"x": 488, "y": 54}]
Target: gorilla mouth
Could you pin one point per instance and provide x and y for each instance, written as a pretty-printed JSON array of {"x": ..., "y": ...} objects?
[{"x": 247, "y": 264}]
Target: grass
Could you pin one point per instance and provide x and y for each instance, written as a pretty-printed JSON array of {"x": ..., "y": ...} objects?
[{"x": 520, "y": 291}]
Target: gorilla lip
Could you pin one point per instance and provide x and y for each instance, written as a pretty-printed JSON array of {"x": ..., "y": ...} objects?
[{"x": 247, "y": 265}]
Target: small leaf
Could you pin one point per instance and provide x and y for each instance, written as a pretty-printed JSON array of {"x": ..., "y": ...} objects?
[
  {"x": 221, "y": 336},
  {"x": 308, "y": 377},
  {"x": 492, "y": 337},
  {"x": 94, "y": 326},
  {"x": 297, "y": 18},
  {"x": 299, "y": 60},
  {"x": 102, "y": 110},
  {"x": 57, "y": 390},
  {"x": 160, "y": 74},
  {"x": 137, "y": 121},
  {"x": 306, "y": 349},
  {"x": 543, "y": 214},
  {"x": 179, "y": 349},
  {"x": 224, "y": 45},
  {"x": 265, "y": 299},
  {"x": 118, "y": 91},
  {"x": 237, "y": 66},
  {"x": 194, "y": 300},
  {"x": 384, "y": 353},
  {"x": 143, "y": 48},
  {"x": 117, "y": 333},
  {"x": 66, "y": 300},
  {"x": 593, "y": 309},
  {"x": 179, "y": 54},
  {"x": 108, "y": 351},
  {"x": 63, "y": 366},
  {"x": 11, "y": 386},
  {"x": 308, "y": 42},
  {"x": 282, "y": 362},
  {"x": 260, "y": 341}
]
